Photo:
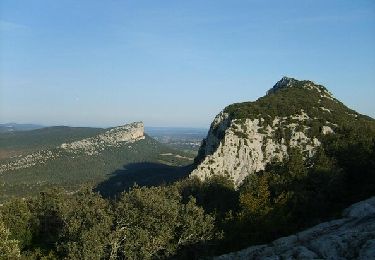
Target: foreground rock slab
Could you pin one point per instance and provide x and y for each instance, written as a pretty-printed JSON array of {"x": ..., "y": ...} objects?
[{"x": 351, "y": 237}]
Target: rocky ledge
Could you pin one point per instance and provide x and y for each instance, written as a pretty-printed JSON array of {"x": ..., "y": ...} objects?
[
  {"x": 351, "y": 237},
  {"x": 113, "y": 137}
]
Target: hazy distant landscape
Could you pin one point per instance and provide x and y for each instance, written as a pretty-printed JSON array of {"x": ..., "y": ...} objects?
[
  {"x": 186, "y": 139},
  {"x": 187, "y": 130}
]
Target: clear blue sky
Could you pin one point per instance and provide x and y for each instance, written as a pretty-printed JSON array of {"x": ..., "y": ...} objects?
[{"x": 172, "y": 62}]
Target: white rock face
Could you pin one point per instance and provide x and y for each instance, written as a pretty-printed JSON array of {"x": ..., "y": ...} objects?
[
  {"x": 327, "y": 130},
  {"x": 114, "y": 137},
  {"x": 241, "y": 147},
  {"x": 351, "y": 237}
]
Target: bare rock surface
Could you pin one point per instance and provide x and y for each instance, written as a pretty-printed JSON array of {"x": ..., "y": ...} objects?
[
  {"x": 113, "y": 137},
  {"x": 241, "y": 147},
  {"x": 351, "y": 237}
]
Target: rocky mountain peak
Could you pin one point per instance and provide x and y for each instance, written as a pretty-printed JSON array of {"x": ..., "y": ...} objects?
[
  {"x": 245, "y": 137},
  {"x": 284, "y": 82},
  {"x": 287, "y": 82}
]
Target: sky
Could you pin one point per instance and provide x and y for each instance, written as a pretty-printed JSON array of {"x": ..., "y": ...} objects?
[{"x": 175, "y": 62}]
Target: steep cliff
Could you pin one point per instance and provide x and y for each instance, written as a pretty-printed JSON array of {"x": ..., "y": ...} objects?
[{"x": 245, "y": 137}]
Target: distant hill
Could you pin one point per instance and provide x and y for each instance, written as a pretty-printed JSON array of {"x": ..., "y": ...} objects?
[
  {"x": 12, "y": 127},
  {"x": 15, "y": 143},
  {"x": 72, "y": 156}
]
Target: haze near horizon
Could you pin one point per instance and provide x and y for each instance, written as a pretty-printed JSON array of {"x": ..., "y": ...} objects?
[{"x": 175, "y": 63}]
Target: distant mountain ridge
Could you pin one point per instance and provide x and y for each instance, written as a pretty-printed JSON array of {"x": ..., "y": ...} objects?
[
  {"x": 93, "y": 145},
  {"x": 245, "y": 137},
  {"x": 87, "y": 156},
  {"x": 11, "y": 127},
  {"x": 16, "y": 143}
]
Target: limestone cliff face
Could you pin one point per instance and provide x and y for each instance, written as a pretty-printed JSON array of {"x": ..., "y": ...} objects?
[
  {"x": 113, "y": 137},
  {"x": 239, "y": 148},
  {"x": 243, "y": 140},
  {"x": 351, "y": 237}
]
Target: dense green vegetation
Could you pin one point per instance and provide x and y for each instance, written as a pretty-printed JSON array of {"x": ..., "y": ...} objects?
[
  {"x": 23, "y": 142},
  {"x": 143, "y": 223},
  {"x": 118, "y": 163},
  {"x": 190, "y": 218},
  {"x": 290, "y": 101}
]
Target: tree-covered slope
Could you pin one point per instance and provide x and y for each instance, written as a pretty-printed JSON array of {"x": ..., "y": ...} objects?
[
  {"x": 289, "y": 96},
  {"x": 11, "y": 127},
  {"x": 114, "y": 157},
  {"x": 22, "y": 142},
  {"x": 289, "y": 178}
]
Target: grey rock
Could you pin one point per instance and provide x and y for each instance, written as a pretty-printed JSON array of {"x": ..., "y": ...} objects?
[
  {"x": 368, "y": 250},
  {"x": 361, "y": 209},
  {"x": 352, "y": 237}
]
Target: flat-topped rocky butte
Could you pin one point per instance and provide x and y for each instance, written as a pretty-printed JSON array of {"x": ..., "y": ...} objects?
[
  {"x": 113, "y": 137},
  {"x": 245, "y": 137}
]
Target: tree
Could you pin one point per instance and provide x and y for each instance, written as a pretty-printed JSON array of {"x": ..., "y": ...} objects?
[
  {"x": 8, "y": 247},
  {"x": 17, "y": 215},
  {"x": 154, "y": 223},
  {"x": 87, "y": 225},
  {"x": 255, "y": 197}
]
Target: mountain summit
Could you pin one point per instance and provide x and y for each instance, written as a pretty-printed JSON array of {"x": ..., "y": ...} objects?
[
  {"x": 286, "y": 82},
  {"x": 245, "y": 137}
]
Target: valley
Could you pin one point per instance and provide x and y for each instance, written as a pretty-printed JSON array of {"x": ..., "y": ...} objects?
[
  {"x": 186, "y": 139},
  {"x": 70, "y": 157}
]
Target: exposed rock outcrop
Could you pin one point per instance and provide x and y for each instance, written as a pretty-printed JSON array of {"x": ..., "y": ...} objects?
[
  {"x": 351, "y": 237},
  {"x": 245, "y": 137},
  {"x": 241, "y": 147},
  {"x": 113, "y": 137}
]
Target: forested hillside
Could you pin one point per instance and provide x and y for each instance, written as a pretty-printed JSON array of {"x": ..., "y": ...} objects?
[
  {"x": 102, "y": 157},
  {"x": 191, "y": 218},
  {"x": 23, "y": 142},
  {"x": 327, "y": 164}
]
